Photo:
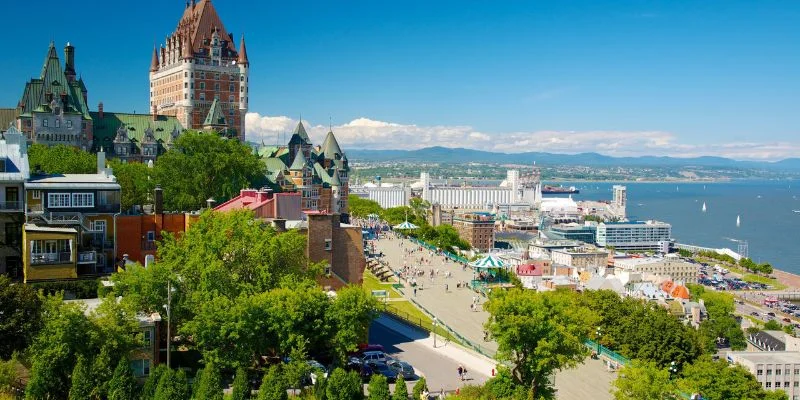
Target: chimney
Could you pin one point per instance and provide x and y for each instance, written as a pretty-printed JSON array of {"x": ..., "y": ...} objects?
[
  {"x": 100, "y": 110},
  {"x": 69, "y": 62},
  {"x": 155, "y": 112},
  {"x": 159, "y": 200},
  {"x": 101, "y": 161}
]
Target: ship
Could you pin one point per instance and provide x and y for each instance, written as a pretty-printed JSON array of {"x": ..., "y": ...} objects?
[{"x": 547, "y": 189}]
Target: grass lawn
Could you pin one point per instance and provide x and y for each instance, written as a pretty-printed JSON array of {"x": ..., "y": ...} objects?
[
  {"x": 371, "y": 282},
  {"x": 763, "y": 279},
  {"x": 410, "y": 312}
]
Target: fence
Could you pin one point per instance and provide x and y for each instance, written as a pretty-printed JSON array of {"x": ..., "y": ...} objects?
[{"x": 603, "y": 351}]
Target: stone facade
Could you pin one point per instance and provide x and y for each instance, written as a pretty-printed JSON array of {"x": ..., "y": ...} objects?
[
  {"x": 477, "y": 229},
  {"x": 338, "y": 245}
]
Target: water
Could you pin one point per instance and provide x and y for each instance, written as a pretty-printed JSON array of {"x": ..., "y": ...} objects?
[{"x": 768, "y": 222}]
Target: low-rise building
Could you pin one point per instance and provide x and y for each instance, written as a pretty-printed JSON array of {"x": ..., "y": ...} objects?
[
  {"x": 340, "y": 246},
  {"x": 586, "y": 232},
  {"x": 581, "y": 257},
  {"x": 542, "y": 248},
  {"x": 774, "y": 370},
  {"x": 477, "y": 229},
  {"x": 14, "y": 171},
  {"x": 266, "y": 204},
  {"x": 674, "y": 268},
  {"x": 635, "y": 236},
  {"x": 531, "y": 273},
  {"x": 70, "y": 225}
]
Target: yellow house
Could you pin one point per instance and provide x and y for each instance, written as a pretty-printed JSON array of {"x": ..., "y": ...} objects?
[{"x": 49, "y": 253}]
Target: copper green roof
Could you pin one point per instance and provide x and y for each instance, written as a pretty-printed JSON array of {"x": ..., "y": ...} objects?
[
  {"x": 330, "y": 148},
  {"x": 105, "y": 129},
  {"x": 215, "y": 117},
  {"x": 7, "y": 117},
  {"x": 274, "y": 167},
  {"x": 53, "y": 80},
  {"x": 300, "y": 130},
  {"x": 299, "y": 161}
]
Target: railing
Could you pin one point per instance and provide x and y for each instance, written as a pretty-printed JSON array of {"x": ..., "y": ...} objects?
[
  {"x": 448, "y": 254},
  {"x": 87, "y": 257},
  {"x": 51, "y": 258},
  {"x": 10, "y": 206},
  {"x": 36, "y": 208},
  {"x": 603, "y": 351}
]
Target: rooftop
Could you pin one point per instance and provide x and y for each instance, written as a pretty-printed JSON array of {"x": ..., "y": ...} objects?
[
  {"x": 37, "y": 228},
  {"x": 767, "y": 357},
  {"x": 73, "y": 181}
]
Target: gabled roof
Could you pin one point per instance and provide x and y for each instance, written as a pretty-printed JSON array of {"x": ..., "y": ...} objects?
[
  {"x": 275, "y": 167},
  {"x": 215, "y": 117},
  {"x": 7, "y": 117},
  {"x": 105, "y": 129}
]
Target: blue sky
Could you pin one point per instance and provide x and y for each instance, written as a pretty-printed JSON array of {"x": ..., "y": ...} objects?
[{"x": 617, "y": 77}]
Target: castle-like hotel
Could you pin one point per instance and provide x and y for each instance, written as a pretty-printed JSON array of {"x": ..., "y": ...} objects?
[{"x": 198, "y": 80}]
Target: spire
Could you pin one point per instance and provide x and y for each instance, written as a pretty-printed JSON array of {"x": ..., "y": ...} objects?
[
  {"x": 154, "y": 61},
  {"x": 299, "y": 161},
  {"x": 51, "y": 51},
  {"x": 300, "y": 130},
  {"x": 330, "y": 147},
  {"x": 243, "y": 53}
]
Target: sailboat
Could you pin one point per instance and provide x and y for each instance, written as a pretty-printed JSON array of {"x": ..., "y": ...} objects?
[
  {"x": 738, "y": 221},
  {"x": 704, "y": 206}
]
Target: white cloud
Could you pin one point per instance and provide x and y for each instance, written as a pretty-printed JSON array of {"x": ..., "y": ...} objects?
[{"x": 365, "y": 133}]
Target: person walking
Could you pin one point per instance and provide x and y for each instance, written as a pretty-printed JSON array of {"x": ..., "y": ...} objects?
[
  {"x": 460, "y": 372},
  {"x": 446, "y": 288}
]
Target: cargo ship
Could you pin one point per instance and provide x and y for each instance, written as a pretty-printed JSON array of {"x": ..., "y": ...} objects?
[{"x": 547, "y": 189}]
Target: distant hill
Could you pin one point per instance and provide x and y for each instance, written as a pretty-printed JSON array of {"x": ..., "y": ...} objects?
[{"x": 460, "y": 155}]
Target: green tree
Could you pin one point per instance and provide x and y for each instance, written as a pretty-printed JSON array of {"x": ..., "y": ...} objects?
[
  {"x": 772, "y": 325},
  {"x": 8, "y": 375},
  {"x": 643, "y": 380},
  {"x": 61, "y": 159},
  {"x": 717, "y": 380},
  {"x": 379, "y": 388},
  {"x": 136, "y": 182},
  {"x": 273, "y": 386},
  {"x": 81, "y": 381},
  {"x": 151, "y": 383},
  {"x": 123, "y": 384},
  {"x": 361, "y": 208},
  {"x": 502, "y": 386},
  {"x": 205, "y": 165},
  {"x": 539, "y": 333},
  {"x": 241, "y": 387},
  {"x": 297, "y": 370},
  {"x": 418, "y": 388},
  {"x": 209, "y": 384},
  {"x": 400, "y": 389},
  {"x": 172, "y": 386},
  {"x": 350, "y": 315},
  {"x": 420, "y": 207},
  {"x": 21, "y": 310},
  {"x": 343, "y": 385}
]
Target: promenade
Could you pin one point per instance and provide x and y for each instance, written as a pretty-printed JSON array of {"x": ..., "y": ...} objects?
[{"x": 451, "y": 306}]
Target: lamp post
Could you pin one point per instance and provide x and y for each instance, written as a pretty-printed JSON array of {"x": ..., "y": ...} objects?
[
  {"x": 598, "y": 333},
  {"x": 434, "y": 332},
  {"x": 673, "y": 369},
  {"x": 168, "y": 307}
]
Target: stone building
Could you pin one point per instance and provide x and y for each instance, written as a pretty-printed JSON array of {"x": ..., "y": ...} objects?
[
  {"x": 53, "y": 108},
  {"x": 319, "y": 174},
  {"x": 134, "y": 137},
  {"x": 477, "y": 229},
  {"x": 199, "y": 69}
]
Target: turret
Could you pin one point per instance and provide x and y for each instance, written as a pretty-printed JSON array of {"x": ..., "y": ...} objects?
[
  {"x": 243, "y": 53},
  {"x": 69, "y": 62},
  {"x": 154, "y": 61}
]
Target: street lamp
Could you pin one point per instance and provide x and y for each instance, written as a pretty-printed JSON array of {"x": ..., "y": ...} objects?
[
  {"x": 673, "y": 369},
  {"x": 434, "y": 332},
  {"x": 168, "y": 307},
  {"x": 598, "y": 333}
]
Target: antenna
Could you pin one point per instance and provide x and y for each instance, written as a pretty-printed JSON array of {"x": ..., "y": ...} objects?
[{"x": 330, "y": 123}]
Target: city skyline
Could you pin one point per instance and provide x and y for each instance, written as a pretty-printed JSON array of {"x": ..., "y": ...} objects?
[{"x": 629, "y": 79}]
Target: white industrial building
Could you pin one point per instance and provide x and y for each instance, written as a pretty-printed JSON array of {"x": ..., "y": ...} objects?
[
  {"x": 514, "y": 190},
  {"x": 635, "y": 236},
  {"x": 386, "y": 195}
]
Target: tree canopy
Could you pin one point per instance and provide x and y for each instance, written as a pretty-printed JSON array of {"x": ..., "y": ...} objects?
[
  {"x": 61, "y": 159},
  {"x": 539, "y": 333},
  {"x": 137, "y": 183},
  {"x": 21, "y": 310},
  {"x": 361, "y": 208},
  {"x": 200, "y": 166}
]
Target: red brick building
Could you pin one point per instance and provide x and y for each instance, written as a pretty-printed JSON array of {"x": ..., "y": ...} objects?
[{"x": 199, "y": 76}]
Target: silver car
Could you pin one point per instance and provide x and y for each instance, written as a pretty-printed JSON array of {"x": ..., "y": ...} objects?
[{"x": 402, "y": 368}]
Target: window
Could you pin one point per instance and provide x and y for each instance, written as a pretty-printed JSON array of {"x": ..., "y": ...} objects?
[
  {"x": 769, "y": 372},
  {"x": 69, "y": 123},
  {"x": 216, "y": 77},
  {"x": 147, "y": 337},
  {"x": 202, "y": 85},
  {"x": 140, "y": 367},
  {"x": 185, "y": 85},
  {"x": 58, "y": 200},
  {"x": 216, "y": 87},
  {"x": 787, "y": 371},
  {"x": 51, "y": 251},
  {"x": 151, "y": 236},
  {"x": 327, "y": 269},
  {"x": 231, "y": 87},
  {"x": 796, "y": 384},
  {"x": 777, "y": 384},
  {"x": 777, "y": 372},
  {"x": 786, "y": 384},
  {"x": 769, "y": 385},
  {"x": 99, "y": 225},
  {"x": 202, "y": 75},
  {"x": 13, "y": 234},
  {"x": 328, "y": 244},
  {"x": 797, "y": 371},
  {"x": 83, "y": 200},
  {"x": 57, "y": 123},
  {"x": 202, "y": 96},
  {"x": 45, "y": 123}
]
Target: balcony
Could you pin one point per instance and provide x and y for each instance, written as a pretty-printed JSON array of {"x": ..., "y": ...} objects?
[
  {"x": 87, "y": 257},
  {"x": 51, "y": 258},
  {"x": 11, "y": 206}
]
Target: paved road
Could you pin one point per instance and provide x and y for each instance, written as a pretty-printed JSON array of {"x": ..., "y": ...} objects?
[{"x": 439, "y": 372}]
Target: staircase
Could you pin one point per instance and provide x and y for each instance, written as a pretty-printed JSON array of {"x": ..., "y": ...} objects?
[{"x": 380, "y": 270}]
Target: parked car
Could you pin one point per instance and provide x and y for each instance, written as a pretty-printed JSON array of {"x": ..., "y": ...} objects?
[
  {"x": 787, "y": 320},
  {"x": 402, "y": 368},
  {"x": 755, "y": 314},
  {"x": 375, "y": 356},
  {"x": 771, "y": 314},
  {"x": 378, "y": 367},
  {"x": 355, "y": 364},
  {"x": 317, "y": 369}
]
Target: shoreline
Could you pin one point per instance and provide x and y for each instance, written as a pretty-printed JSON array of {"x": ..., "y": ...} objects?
[{"x": 792, "y": 281}]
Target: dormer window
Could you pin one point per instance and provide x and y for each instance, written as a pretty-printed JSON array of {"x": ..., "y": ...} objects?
[{"x": 57, "y": 123}]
